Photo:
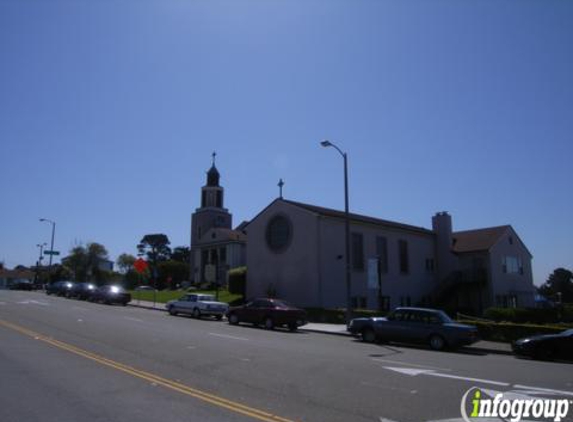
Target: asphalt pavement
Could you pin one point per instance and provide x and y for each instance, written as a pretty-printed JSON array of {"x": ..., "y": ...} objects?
[{"x": 67, "y": 360}]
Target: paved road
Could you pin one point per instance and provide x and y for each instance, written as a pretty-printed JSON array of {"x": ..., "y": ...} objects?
[{"x": 66, "y": 360}]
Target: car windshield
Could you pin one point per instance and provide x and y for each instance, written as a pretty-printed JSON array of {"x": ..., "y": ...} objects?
[
  {"x": 444, "y": 317},
  {"x": 206, "y": 298},
  {"x": 282, "y": 304}
]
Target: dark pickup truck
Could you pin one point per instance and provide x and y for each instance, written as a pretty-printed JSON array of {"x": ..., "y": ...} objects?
[{"x": 415, "y": 325}]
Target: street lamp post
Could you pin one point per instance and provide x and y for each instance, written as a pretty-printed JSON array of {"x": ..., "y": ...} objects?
[
  {"x": 39, "y": 263},
  {"x": 41, "y": 246},
  {"x": 326, "y": 144},
  {"x": 53, "y": 223}
]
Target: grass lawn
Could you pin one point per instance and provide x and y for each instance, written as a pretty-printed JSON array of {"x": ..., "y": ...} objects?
[{"x": 165, "y": 296}]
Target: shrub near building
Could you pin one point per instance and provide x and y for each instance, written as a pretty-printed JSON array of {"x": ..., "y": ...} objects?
[
  {"x": 238, "y": 281},
  {"x": 508, "y": 332},
  {"x": 531, "y": 315}
]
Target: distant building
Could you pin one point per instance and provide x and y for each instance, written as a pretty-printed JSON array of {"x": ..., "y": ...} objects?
[
  {"x": 215, "y": 246},
  {"x": 296, "y": 251},
  {"x": 105, "y": 265},
  {"x": 7, "y": 277}
]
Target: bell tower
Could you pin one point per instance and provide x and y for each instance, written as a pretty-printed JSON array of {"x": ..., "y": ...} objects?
[
  {"x": 210, "y": 215},
  {"x": 212, "y": 193}
]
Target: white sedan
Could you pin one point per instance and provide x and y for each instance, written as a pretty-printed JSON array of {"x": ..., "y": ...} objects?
[{"x": 198, "y": 305}]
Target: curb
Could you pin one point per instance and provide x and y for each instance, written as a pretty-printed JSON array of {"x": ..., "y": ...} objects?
[
  {"x": 335, "y": 333},
  {"x": 135, "y": 305},
  {"x": 489, "y": 351}
]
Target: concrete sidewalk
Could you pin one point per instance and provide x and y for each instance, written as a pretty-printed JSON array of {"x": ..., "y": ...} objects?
[{"x": 482, "y": 346}]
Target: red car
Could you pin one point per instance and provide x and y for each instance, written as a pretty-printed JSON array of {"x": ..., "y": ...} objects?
[{"x": 268, "y": 312}]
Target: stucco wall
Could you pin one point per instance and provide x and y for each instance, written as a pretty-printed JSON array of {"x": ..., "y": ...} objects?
[
  {"x": 518, "y": 284},
  {"x": 417, "y": 283},
  {"x": 235, "y": 255},
  {"x": 292, "y": 273}
]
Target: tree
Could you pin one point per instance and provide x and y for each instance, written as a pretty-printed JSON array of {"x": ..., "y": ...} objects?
[
  {"x": 85, "y": 262},
  {"x": 181, "y": 254},
  {"x": 59, "y": 272},
  {"x": 172, "y": 273},
  {"x": 559, "y": 283},
  {"x": 125, "y": 262},
  {"x": 155, "y": 247},
  {"x": 77, "y": 262}
]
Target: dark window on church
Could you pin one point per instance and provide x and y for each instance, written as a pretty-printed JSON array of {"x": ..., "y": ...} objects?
[
  {"x": 403, "y": 254},
  {"x": 219, "y": 199},
  {"x": 382, "y": 253},
  {"x": 357, "y": 251},
  {"x": 223, "y": 255},
  {"x": 279, "y": 233},
  {"x": 203, "y": 199}
]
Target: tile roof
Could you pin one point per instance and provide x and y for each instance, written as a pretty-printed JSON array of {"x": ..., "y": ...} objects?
[
  {"x": 357, "y": 218},
  {"x": 477, "y": 240}
]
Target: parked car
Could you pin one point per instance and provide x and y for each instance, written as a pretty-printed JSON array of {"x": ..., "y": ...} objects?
[
  {"x": 82, "y": 291},
  {"x": 109, "y": 294},
  {"x": 548, "y": 346},
  {"x": 21, "y": 284},
  {"x": 198, "y": 305},
  {"x": 268, "y": 312},
  {"x": 59, "y": 288},
  {"x": 415, "y": 325}
]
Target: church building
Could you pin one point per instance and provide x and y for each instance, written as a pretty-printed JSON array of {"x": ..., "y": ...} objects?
[
  {"x": 215, "y": 246},
  {"x": 296, "y": 252}
]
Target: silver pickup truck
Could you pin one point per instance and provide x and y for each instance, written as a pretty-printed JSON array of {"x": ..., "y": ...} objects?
[{"x": 415, "y": 325}]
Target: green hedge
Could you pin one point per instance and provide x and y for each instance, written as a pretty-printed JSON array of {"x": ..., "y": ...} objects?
[
  {"x": 238, "y": 280},
  {"x": 508, "y": 332},
  {"x": 531, "y": 315}
]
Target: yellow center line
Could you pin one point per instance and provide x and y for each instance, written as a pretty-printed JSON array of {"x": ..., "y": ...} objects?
[{"x": 172, "y": 385}]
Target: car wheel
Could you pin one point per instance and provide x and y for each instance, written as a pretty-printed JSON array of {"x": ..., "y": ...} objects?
[
  {"x": 233, "y": 319},
  {"x": 196, "y": 313},
  {"x": 437, "y": 342},
  {"x": 219, "y": 317},
  {"x": 269, "y": 324},
  {"x": 172, "y": 311},
  {"x": 368, "y": 335}
]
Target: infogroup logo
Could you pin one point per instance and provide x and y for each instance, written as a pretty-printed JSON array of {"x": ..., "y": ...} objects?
[{"x": 481, "y": 407}]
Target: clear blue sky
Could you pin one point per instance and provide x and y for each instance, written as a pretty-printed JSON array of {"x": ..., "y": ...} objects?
[{"x": 109, "y": 111}]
